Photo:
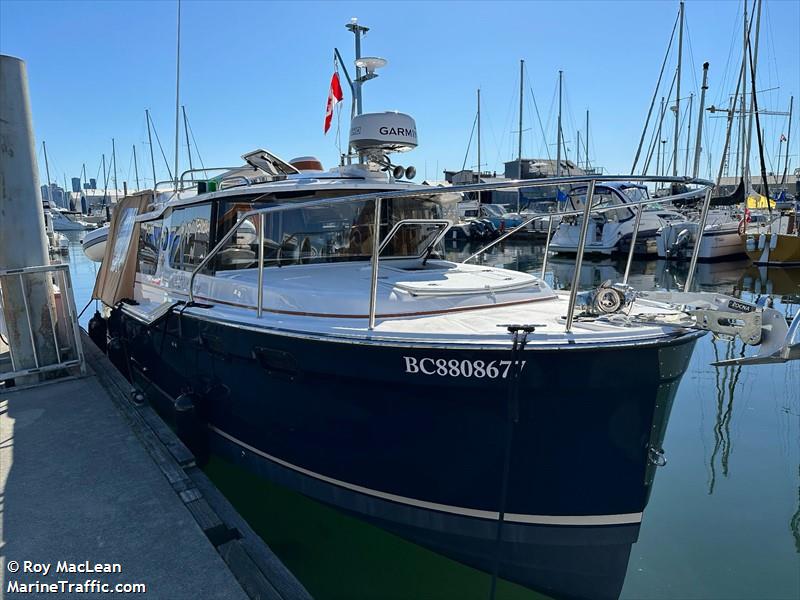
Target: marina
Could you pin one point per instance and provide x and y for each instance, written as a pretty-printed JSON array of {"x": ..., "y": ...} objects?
[{"x": 356, "y": 381}]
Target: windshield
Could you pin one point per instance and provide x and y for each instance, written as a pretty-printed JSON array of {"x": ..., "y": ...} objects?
[
  {"x": 334, "y": 233},
  {"x": 493, "y": 210},
  {"x": 603, "y": 197},
  {"x": 636, "y": 194}
]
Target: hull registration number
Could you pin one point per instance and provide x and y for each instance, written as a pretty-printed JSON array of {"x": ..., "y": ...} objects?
[{"x": 478, "y": 369}]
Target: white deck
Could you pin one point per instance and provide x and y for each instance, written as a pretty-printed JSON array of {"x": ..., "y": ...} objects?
[{"x": 444, "y": 303}]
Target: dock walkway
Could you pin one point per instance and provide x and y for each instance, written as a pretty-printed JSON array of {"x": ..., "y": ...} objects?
[{"x": 87, "y": 476}]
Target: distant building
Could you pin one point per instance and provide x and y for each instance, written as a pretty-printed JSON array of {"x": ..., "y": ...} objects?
[
  {"x": 76, "y": 184},
  {"x": 792, "y": 185},
  {"x": 55, "y": 196},
  {"x": 536, "y": 168}
]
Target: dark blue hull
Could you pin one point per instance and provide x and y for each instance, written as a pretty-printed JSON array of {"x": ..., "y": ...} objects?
[{"x": 422, "y": 455}]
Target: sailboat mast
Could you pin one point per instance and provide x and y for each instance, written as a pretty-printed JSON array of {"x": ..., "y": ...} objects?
[
  {"x": 742, "y": 121},
  {"x": 586, "y": 154},
  {"x": 697, "y": 146},
  {"x": 678, "y": 96},
  {"x": 150, "y": 140},
  {"x": 764, "y": 181},
  {"x": 82, "y": 181},
  {"x": 558, "y": 134},
  {"x": 105, "y": 180},
  {"x": 136, "y": 168},
  {"x": 788, "y": 142},
  {"x": 479, "y": 148},
  {"x": 177, "y": 92},
  {"x": 688, "y": 133},
  {"x": 114, "y": 162},
  {"x": 188, "y": 147},
  {"x": 47, "y": 170},
  {"x": 753, "y": 63},
  {"x": 519, "y": 136},
  {"x": 659, "y": 144}
]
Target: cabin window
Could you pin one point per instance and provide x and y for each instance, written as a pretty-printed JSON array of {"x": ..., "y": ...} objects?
[
  {"x": 187, "y": 235},
  {"x": 149, "y": 243},
  {"x": 333, "y": 233},
  {"x": 603, "y": 198}
]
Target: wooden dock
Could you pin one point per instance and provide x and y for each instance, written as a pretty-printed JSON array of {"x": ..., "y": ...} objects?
[{"x": 86, "y": 475}]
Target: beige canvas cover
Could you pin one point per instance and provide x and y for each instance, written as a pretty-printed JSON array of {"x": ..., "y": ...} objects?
[{"x": 118, "y": 269}]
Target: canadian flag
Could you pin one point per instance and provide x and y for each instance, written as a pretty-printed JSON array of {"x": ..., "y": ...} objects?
[{"x": 334, "y": 97}]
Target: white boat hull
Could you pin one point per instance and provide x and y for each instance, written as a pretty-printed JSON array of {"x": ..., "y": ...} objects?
[
  {"x": 676, "y": 241},
  {"x": 94, "y": 244}
]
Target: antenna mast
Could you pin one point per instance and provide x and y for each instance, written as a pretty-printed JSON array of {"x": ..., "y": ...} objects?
[{"x": 358, "y": 31}]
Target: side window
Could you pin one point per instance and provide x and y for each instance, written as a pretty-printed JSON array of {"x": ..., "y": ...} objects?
[
  {"x": 187, "y": 235},
  {"x": 195, "y": 236},
  {"x": 149, "y": 241}
]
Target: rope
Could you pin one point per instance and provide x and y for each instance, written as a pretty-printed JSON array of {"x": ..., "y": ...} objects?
[{"x": 520, "y": 333}]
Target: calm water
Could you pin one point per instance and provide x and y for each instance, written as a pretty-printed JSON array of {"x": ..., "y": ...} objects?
[{"x": 723, "y": 519}]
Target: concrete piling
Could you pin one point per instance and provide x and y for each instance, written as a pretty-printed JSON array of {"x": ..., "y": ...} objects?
[{"x": 28, "y": 303}]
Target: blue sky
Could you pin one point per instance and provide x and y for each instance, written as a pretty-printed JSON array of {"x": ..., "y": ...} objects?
[{"x": 256, "y": 74}]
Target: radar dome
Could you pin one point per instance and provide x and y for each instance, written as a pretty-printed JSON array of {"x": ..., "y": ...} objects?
[{"x": 383, "y": 132}]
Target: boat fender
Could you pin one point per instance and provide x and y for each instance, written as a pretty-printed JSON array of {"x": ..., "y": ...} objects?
[
  {"x": 114, "y": 349},
  {"x": 189, "y": 426},
  {"x": 98, "y": 331},
  {"x": 773, "y": 241},
  {"x": 750, "y": 244}
]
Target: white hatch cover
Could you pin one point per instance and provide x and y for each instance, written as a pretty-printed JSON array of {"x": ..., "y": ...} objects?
[{"x": 471, "y": 281}]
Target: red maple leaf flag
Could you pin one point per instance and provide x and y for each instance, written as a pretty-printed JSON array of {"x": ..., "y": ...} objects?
[{"x": 334, "y": 96}]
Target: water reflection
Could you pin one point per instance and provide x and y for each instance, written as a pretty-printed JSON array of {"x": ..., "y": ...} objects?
[
  {"x": 716, "y": 523},
  {"x": 726, "y": 380}
]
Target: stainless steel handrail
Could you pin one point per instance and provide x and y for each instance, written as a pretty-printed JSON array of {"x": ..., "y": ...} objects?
[
  {"x": 698, "y": 239},
  {"x": 375, "y": 259},
  {"x": 633, "y": 245},
  {"x": 378, "y": 197},
  {"x": 444, "y": 223},
  {"x": 577, "y": 213},
  {"x": 573, "y": 292}
]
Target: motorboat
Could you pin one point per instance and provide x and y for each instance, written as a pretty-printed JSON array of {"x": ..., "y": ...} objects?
[
  {"x": 255, "y": 306},
  {"x": 722, "y": 237},
  {"x": 57, "y": 243},
  {"x": 612, "y": 231},
  {"x": 94, "y": 243},
  {"x": 64, "y": 220},
  {"x": 309, "y": 324}
]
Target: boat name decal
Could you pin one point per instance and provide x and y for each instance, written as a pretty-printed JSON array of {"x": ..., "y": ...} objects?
[
  {"x": 740, "y": 306},
  {"x": 479, "y": 369}
]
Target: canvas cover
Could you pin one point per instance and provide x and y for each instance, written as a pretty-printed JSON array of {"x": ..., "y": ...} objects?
[{"x": 118, "y": 269}]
